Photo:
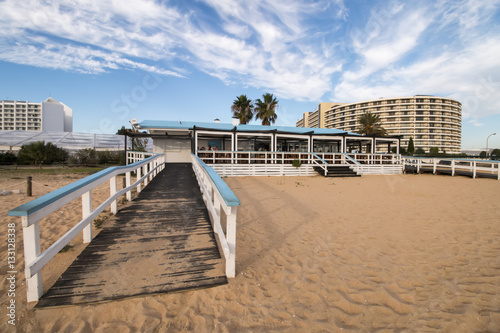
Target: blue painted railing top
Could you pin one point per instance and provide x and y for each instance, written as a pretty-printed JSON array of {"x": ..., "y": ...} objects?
[
  {"x": 227, "y": 195},
  {"x": 352, "y": 159},
  {"x": 45, "y": 200},
  {"x": 319, "y": 158}
]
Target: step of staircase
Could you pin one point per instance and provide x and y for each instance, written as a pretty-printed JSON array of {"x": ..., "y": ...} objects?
[{"x": 336, "y": 171}]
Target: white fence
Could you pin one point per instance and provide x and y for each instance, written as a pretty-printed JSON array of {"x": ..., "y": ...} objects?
[
  {"x": 219, "y": 198},
  {"x": 32, "y": 212},
  {"x": 454, "y": 165},
  {"x": 262, "y": 163},
  {"x": 137, "y": 156}
]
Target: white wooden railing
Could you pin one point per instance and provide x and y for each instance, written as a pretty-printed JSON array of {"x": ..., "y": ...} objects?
[
  {"x": 266, "y": 157},
  {"x": 32, "y": 212},
  {"x": 454, "y": 165},
  {"x": 136, "y": 156},
  {"x": 219, "y": 198},
  {"x": 263, "y": 163},
  {"x": 320, "y": 162}
]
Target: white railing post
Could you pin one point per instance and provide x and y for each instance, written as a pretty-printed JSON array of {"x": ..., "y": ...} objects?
[
  {"x": 128, "y": 181},
  {"x": 453, "y": 167},
  {"x": 216, "y": 204},
  {"x": 86, "y": 210},
  {"x": 474, "y": 170},
  {"x": 139, "y": 176},
  {"x": 31, "y": 240},
  {"x": 145, "y": 172},
  {"x": 231, "y": 242},
  {"x": 434, "y": 166},
  {"x": 112, "y": 191}
]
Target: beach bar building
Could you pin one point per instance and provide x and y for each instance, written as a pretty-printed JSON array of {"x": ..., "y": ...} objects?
[{"x": 235, "y": 149}]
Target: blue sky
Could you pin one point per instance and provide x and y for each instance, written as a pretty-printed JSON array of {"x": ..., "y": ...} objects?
[{"x": 112, "y": 61}]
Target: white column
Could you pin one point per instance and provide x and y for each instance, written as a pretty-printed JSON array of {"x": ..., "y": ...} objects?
[
  {"x": 145, "y": 172},
  {"x": 86, "y": 210},
  {"x": 217, "y": 209},
  {"x": 139, "y": 176},
  {"x": 434, "y": 166},
  {"x": 112, "y": 191},
  {"x": 474, "y": 170},
  {"x": 31, "y": 240},
  {"x": 231, "y": 242},
  {"x": 128, "y": 182}
]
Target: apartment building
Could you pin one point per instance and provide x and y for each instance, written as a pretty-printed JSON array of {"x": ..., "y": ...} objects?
[
  {"x": 50, "y": 115},
  {"x": 431, "y": 121}
]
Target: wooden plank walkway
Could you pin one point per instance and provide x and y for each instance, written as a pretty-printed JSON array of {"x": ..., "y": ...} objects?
[{"x": 160, "y": 242}]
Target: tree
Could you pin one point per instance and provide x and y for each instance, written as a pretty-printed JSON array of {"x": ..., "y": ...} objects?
[
  {"x": 265, "y": 109},
  {"x": 434, "y": 151},
  {"x": 371, "y": 125},
  {"x": 483, "y": 154},
  {"x": 86, "y": 156},
  {"x": 420, "y": 151},
  {"x": 41, "y": 153},
  {"x": 243, "y": 109},
  {"x": 138, "y": 144},
  {"x": 495, "y": 154},
  {"x": 411, "y": 147}
]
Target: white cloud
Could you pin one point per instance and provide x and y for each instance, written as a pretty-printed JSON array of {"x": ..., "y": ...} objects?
[{"x": 415, "y": 54}]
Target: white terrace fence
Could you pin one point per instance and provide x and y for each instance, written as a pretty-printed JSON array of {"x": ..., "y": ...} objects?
[
  {"x": 32, "y": 212},
  {"x": 136, "y": 156},
  {"x": 263, "y": 163},
  {"x": 453, "y": 166},
  {"x": 219, "y": 198}
]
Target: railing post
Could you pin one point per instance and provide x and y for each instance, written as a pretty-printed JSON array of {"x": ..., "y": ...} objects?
[
  {"x": 112, "y": 191},
  {"x": 145, "y": 171},
  {"x": 31, "y": 240},
  {"x": 128, "y": 182},
  {"x": 86, "y": 210},
  {"x": 231, "y": 242},
  {"x": 474, "y": 170},
  {"x": 139, "y": 176},
  {"x": 434, "y": 166},
  {"x": 217, "y": 209},
  {"x": 453, "y": 167}
]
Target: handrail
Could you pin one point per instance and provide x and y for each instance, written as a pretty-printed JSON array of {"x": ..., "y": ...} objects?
[
  {"x": 324, "y": 166},
  {"x": 352, "y": 159},
  {"x": 32, "y": 212},
  {"x": 81, "y": 185},
  {"x": 217, "y": 195}
]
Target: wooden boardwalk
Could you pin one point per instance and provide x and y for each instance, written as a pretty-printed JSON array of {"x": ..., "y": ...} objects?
[{"x": 160, "y": 242}]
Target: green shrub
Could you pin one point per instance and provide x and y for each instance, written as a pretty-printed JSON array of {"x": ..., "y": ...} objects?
[
  {"x": 8, "y": 158},
  {"x": 41, "y": 153}
]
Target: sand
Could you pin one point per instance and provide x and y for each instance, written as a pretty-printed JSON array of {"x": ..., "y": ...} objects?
[{"x": 404, "y": 253}]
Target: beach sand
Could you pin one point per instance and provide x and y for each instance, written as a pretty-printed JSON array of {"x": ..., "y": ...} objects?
[{"x": 402, "y": 253}]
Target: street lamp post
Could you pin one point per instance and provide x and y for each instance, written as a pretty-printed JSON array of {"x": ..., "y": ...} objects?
[{"x": 487, "y": 143}]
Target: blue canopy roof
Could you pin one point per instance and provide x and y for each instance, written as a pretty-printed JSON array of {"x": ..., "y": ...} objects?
[{"x": 190, "y": 125}]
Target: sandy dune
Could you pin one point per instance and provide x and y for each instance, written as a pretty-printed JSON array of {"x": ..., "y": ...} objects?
[{"x": 408, "y": 253}]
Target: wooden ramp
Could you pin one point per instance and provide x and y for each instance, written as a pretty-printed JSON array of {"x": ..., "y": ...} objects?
[{"x": 160, "y": 242}]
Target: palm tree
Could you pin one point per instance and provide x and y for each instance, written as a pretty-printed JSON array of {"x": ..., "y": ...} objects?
[
  {"x": 265, "y": 109},
  {"x": 243, "y": 109},
  {"x": 370, "y": 125}
]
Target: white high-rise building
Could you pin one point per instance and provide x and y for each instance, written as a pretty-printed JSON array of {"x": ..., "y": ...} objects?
[{"x": 50, "y": 115}]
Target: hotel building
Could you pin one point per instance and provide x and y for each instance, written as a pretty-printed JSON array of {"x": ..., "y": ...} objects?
[
  {"x": 431, "y": 121},
  {"x": 50, "y": 115}
]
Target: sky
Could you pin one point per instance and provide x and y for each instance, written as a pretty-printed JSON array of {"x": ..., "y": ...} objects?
[{"x": 112, "y": 61}]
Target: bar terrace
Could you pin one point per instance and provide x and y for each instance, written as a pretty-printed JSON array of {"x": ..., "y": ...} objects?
[{"x": 235, "y": 149}]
